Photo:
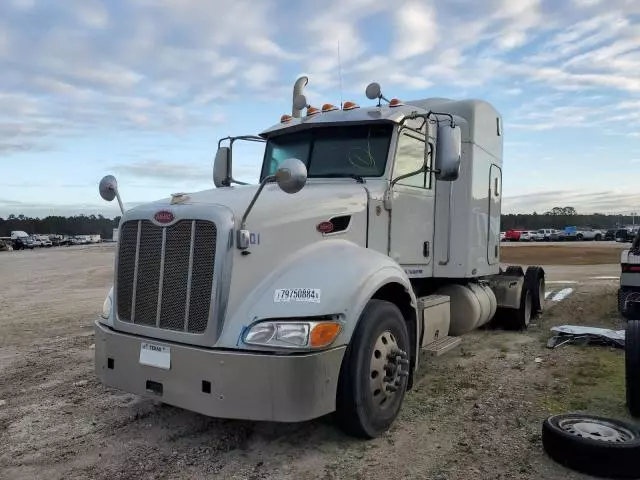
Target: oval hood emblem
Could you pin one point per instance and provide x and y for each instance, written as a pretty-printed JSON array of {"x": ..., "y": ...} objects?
[
  {"x": 164, "y": 216},
  {"x": 325, "y": 227}
]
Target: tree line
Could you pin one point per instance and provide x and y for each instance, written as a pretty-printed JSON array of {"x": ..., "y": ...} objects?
[
  {"x": 558, "y": 217},
  {"x": 76, "y": 225}
]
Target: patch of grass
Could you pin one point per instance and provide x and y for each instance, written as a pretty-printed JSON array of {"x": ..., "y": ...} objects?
[{"x": 593, "y": 379}]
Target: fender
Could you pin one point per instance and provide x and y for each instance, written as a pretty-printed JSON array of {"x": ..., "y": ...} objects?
[{"x": 345, "y": 274}]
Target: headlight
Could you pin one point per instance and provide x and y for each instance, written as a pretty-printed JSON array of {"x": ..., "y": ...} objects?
[
  {"x": 293, "y": 334},
  {"x": 106, "y": 307}
]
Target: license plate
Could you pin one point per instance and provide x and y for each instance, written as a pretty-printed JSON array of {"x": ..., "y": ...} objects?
[{"x": 154, "y": 355}]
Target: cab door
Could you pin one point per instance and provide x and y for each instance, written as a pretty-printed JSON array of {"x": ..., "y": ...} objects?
[{"x": 412, "y": 213}]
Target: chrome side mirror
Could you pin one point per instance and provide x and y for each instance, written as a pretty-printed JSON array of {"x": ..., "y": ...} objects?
[
  {"x": 221, "y": 170},
  {"x": 291, "y": 175},
  {"x": 108, "y": 188},
  {"x": 448, "y": 152}
]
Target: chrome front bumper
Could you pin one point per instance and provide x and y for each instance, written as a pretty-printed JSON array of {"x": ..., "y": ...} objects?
[{"x": 224, "y": 384}]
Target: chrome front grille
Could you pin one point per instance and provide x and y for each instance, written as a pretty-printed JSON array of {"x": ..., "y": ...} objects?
[{"x": 165, "y": 274}]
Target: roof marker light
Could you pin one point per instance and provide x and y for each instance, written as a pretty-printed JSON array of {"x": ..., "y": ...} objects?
[
  {"x": 327, "y": 107},
  {"x": 350, "y": 106},
  {"x": 395, "y": 102},
  {"x": 285, "y": 118},
  {"x": 311, "y": 111}
]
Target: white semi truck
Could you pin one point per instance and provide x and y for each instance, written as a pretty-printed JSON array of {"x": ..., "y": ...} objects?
[{"x": 373, "y": 236}]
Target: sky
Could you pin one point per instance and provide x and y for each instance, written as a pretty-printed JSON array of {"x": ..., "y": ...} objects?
[{"x": 144, "y": 89}]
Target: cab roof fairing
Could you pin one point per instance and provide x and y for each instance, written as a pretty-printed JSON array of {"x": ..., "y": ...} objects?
[
  {"x": 357, "y": 116},
  {"x": 382, "y": 114}
]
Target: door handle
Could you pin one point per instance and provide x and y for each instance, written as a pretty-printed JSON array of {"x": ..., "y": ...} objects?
[{"x": 425, "y": 250}]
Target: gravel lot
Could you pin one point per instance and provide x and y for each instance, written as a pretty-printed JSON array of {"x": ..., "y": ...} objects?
[{"x": 475, "y": 413}]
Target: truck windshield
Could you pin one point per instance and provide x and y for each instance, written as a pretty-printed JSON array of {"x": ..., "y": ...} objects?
[{"x": 358, "y": 150}]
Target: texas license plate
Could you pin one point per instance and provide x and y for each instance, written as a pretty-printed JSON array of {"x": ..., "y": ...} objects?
[{"x": 154, "y": 355}]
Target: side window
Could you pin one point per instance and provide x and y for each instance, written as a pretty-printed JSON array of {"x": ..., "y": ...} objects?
[
  {"x": 409, "y": 158},
  {"x": 281, "y": 153}
]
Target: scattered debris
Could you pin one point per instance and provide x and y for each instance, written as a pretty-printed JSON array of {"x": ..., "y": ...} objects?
[
  {"x": 586, "y": 335},
  {"x": 3, "y": 402},
  {"x": 538, "y": 360}
]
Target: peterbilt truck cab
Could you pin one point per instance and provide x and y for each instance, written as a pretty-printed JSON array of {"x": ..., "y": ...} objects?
[{"x": 371, "y": 237}]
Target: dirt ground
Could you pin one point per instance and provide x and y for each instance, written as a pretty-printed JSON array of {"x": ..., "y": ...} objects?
[
  {"x": 475, "y": 413},
  {"x": 573, "y": 253}
]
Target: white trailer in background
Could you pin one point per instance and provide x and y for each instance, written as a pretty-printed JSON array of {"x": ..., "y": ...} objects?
[{"x": 116, "y": 235}]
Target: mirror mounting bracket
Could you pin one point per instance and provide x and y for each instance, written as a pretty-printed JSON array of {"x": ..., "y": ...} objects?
[
  {"x": 244, "y": 234},
  {"x": 249, "y": 138}
]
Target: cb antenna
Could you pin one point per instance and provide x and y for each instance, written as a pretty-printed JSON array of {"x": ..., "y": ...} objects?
[{"x": 340, "y": 74}]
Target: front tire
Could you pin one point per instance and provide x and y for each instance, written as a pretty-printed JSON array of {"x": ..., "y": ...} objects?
[{"x": 374, "y": 372}]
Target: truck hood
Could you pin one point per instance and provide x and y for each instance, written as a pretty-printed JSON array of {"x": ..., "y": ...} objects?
[{"x": 314, "y": 200}]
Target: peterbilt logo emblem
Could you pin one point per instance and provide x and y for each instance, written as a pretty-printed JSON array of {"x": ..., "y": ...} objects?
[
  {"x": 163, "y": 216},
  {"x": 325, "y": 227}
]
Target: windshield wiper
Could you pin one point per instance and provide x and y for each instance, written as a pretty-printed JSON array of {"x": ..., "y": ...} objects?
[{"x": 356, "y": 177}]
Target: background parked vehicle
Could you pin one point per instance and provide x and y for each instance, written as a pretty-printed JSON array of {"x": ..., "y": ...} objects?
[
  {"x": 528, "y": 236},
  {"x": 610, "y": 234},
  {"x": 557, "y": 236},
  {"x": 543, "y": 235},
  {"x": 35, "y": 241},
  {"x": 589, "y": 233},
  {"x": 622, "y": 235},
  {"x": 513, "y": 235}
]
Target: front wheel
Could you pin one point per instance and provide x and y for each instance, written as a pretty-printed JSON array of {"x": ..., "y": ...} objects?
[{"x": 374, "y": 372}]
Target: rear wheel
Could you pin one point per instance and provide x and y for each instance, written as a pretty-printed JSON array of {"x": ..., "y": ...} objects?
[
  {"x": 598, "y": 238},
  {"x": 534, "y": 279},
  {"x": 374, "y": 372},
  {"x": 518, "y": 319}
]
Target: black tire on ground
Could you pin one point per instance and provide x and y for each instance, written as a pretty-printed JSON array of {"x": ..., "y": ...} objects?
[
  {"x": 579, "y": 237},
  {"x": 598, "y": 237},
  {"x": 593, "y": 445},
  {"x": 362, "y": 410},
  {"x": 518, "y": 319},
  {"x": 534, "y": 278},
  {"x": 632, "y": 366}
]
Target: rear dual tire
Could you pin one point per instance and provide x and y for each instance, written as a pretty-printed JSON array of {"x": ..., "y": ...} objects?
[{"x": 532, "y": 300}]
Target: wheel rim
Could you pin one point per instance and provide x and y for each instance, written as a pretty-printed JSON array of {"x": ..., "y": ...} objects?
[
  {"x": 597, "y": 430},
  {"x": 527, "y": 308},
  {"x": 389, "y": 367}
]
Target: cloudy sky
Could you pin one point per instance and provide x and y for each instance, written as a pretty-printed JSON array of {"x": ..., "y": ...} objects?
[{"x": 143, "y": 89}]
